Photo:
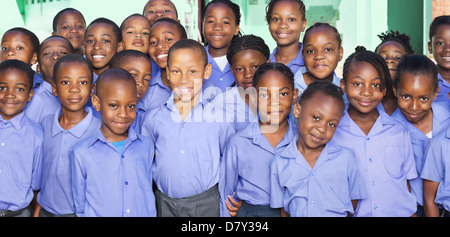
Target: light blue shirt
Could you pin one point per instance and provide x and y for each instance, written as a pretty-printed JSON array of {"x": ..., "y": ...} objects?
[
  {"x": 107, "y": 183},
  {"x": 441, "y": 121},
  {"x": 221, "y": 79},
  {"x": 326, "y": 190},
  {"x": 443, "y": 91},
  {"x": 20, "y": 161},
  {"x": 187, "y": 152},
  {"x": 300, "y": 84},
  {"x": 386, "y": 161},
  {"x": 295, "y": 64},
  {"x": 56, "y": 185},
  {"x": 37, "y": 81},
  {"x": 236, "y": 111},
  {"x": 42, "y": 103},
  {"x": 246, "y": 160},
  {"x": 437, "y": 165}
]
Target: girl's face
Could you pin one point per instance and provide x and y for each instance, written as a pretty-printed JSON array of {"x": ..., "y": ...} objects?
[
  {"x": 162, "y": 37},
  {"x": 72, "y": 26},
  {"x": 391, "y": 52},
  {"x": 136, "y": 34},
  {"x": 244, "y": 65},
  {"x": 286, "y": 23},
  {"x": 321, "y": 53},
  {"x": 275, "y": 97},
  {"x": 219, "y": 26},
  {"x": 415, "y": 93},
  {"x": 362, "y": 86},
  {"x": 439, "y": 46}
]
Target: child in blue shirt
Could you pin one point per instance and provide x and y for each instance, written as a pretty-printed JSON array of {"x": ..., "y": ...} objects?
[
  {"x": 73, "y": 122},
  {"x": 70, "y": 24},
  {"x": 44, "y": 102},
  {"x": 314, "y": 176},
  {"x": 251, "y": 150},
  {"x": 135, "y": 34},
  {"x": 434, "y": 175},
  {"x": 382, "y": 145},
  {"x": 112, "y": 169},
  {"x": 20, "y": 141},
  {"x": 287, "y": 20},
  {"x": 189, "y": 143},
  {"x": 416, "y": 87},
  {"x": 439, "y": 38}
]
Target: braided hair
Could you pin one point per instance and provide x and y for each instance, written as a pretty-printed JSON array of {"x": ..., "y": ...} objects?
[
  {"x": 323, "y": 25},
  {"x": 270, "y": 6},
  {"x": 361, "y": 54},
  {"x": 247, "y": 42},
  {"x": 401, "y": 38}
]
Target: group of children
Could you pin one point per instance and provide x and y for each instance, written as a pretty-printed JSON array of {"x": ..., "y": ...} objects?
[{"x": 138, "y": 120}]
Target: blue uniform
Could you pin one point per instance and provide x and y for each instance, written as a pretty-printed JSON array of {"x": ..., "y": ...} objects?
[
  {"x": 444, "y": 89},
  {"x": 221, "y": 79},
  {"x": 42, "y": 103},
  {"x": 295, "y": 64}
]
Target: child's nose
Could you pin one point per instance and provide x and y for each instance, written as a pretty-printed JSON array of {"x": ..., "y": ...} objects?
[{"x": 11, "y": 52}]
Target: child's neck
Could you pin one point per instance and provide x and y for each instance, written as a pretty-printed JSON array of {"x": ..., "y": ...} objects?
[
  {"x": 215, "y": 53},
  {"x": 164, "y": 77},
  {"x": 48, "y": 80},
  {"x": 184, "y": 108},
  {"x": 309, "y": 78},
  {"x": 426, "y": 124},
  {"x": 274, "y": 133},
  {"x": 365, "y": 121},
  {"x": 68, "y": 119},
  {"x": 389, "y": 102},
  {"x": 111, "y": 137},
  {"x": 445, "y": 73},
  {"x": 99, "y": 71},
  {"x": 310, "y": 155},
  {"x": 285, "y": 54}
]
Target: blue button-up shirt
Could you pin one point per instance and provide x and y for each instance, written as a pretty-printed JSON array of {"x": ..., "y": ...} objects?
[
  {"x": 107, "y": 183},
  {"x": 247, "y": 158},
  {"x": 444, "y": 89},
  {"x": 20, "y": 161},
  {"x": 386, "y": 161},
  {"x": 441, "y": 121},
  {"x": 187, "y": 152},
  {"x": 56, "y": 185},
  {"x": 295, "y": 64},
  {"x": 221, "y": 79},
  {"x": 437, "y": 165},
  {"x": 325, "y": 190},
  {"x": 42, "y": 103},
  {"x": 157, "y": 92}
]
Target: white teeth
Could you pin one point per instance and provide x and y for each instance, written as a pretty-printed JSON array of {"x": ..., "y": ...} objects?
[
  {"x": 162, "y": 56},
  {"x": 98, "y": 56}
]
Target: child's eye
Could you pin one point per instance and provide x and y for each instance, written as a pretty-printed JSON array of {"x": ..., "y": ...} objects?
[
  {"x": 19, "y": 47},
  {"x": 239, "y": 69},
  {"x": 284, "y": 94},
  {"x": 316, "y": 118},
  {"x": 4, "y": 48},
  {"x": 424, "y": 99},
  {"x": 147, "y": 79},
  {"x": 113, "y": 106},
  {"x": 310, "y": 51},
  {"x": 292, "y": 19},
  {"x": 3, "y": 88},
  {"x": 166, "y": 11},
  {"x": 20, "y": 89},
  {"x": 255, "y": 67},
  {"x": 151, "y": 12},
  {"x": 275, "y": 19},
  {"x": 152, "y": 43},
  {"x": 130, "y": 32},
  {"x": 89, "y": 41},
  {"x": 106, "y": 41},
  {"x": 168, "y": 39},
  {"x": 192, "y": 71},
  {"x": 145, "y": 33},
  {"x": 175, "y": 71},
  {"x": 376, "y": 85},
  {"x": 357, "y": 83},
  {"x": 263, "y": 95},
  {"x": 83, "y": 82},
  {"x": 440, "y": 43},
  {"x": 332, "y": 125},
  {"x": 405, "y": 97},
  {"x": 131, "y": 106},
  {"x": 328, "y": 50}
]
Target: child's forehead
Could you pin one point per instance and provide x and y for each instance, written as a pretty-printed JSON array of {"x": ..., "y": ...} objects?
[
  {"x": 55, "y": 43},
  {"x": 273, "y": 79},
  {"x": 134, "y": 20},
  {"x": 159, "y": 3},
  {"x": 443, "y": 30},
  {"x": 162, "y": 27},
  {"x": 100, "y": 28},
  {"x": 16, "y": 36},
  {"x": 70, "y": 15},
  {"x": 135, "y": 62},
  {"x": 15, "y": 75}
]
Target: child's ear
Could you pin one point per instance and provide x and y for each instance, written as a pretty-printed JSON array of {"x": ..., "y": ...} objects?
[
  {"x": 30, "y": 94},
  {"x": 343, "y": 85},
  {"x": 430, "y": 47},
  {"x": 297, "y": 110},
  {"x": 395, "y": 91},
  {"x": 341, "y": 53},
  {"x": 38, "y": 69},
  {"x": 236, "y": 30},
  {"x": 92, "y": 89},
  {"x": 95, "y": 102},
  {"x": 304, "y": 25},
  {"x": 207, "y": 73},
  {"x": 34, "y": 59},
  {"x": 83, "y": 49},
  {"x": 435, "y": 94},
  {"x": 54, "y": 91},
  {"x": 295, "y": 96},
  {"x": 120, "y": 46}
]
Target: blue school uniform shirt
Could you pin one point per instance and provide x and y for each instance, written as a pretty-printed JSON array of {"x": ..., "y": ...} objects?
[
  {"x": 325, "y": 190},
  {"x": 441, "y": 121},
  {"x": 436, "y": 166},
  {"x": 386, "y": 161},
  {"x": 300, "y": 84},
  {"x": 295, "y": 64},
  {"x": 444, "y": 89},
  {"x": 107, "y": 183},
  {"x": 20, "y": 161},
  {"x": 42, "y": 103},
  {"x": 187, "y": 152},
  {"x": 246, "y": 160},
  {"x": 37, "y": 81},
  {"x": 55, "y": 195},
  {"x": 236, "y": 111},
  {"x": 157, "y": 92},
  {"x": 221, "y": 79}
]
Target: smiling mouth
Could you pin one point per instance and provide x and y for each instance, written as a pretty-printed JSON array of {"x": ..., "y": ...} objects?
[
  {"x": 74, "y": 100},
  {"x": 283, "y": 35},
  {"x": 98, "y": 57}
]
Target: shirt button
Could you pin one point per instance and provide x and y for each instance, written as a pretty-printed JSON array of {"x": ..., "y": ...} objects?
[
  {"x": 2, "y": 144},
  {"x": 221, "y": 79},
  {"x": 122, "y": 156},
  {"x": 373, "y": 183},
  {"x": 368, "y": 138},
  {"x": 312, "y": 203},
  {"x": 370, "y": 160},
  {"x": 126, "y": 182},
  {"x": 312, "y": 174},
  {"x": 182, "y": 151},
  {"x": 127, "y": 210}
]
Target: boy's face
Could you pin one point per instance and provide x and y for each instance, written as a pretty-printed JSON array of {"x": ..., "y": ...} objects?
[
  {"x": 186, "y": 73},
  {"x": 157, "y": 9},
  {"x": 17, "y": 45},
  {"x": 116, "y": 102},
  {"x": 141, "y": 69},
  {"x": 415, "y": 93},
  {"x": 100, "y": 46},
  {"x": 136, "y": 34},
  {"x": 244, "y": 65},
  {"x": 51, "y": 51},
  {"x": 72, "y": 26},
  {"x": 391, "y": 52},
  {"x": 73, "y": 86},
  {"x": 440, "y": 47},
  {"x": 317, "y": 120},
  {"x": 15, "y": 92},
  {"x": 275, "y": 97},
  {"x": 286, "y": 23},
  {"x": 162, "y": 37}
]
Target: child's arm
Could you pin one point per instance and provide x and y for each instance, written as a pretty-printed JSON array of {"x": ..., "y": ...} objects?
[
  {"x": 234, "y": 206},
  {"x": 429, "y": 194},
  {"x": 284, "y": 213},
  {"x": 355, "y": 205}
]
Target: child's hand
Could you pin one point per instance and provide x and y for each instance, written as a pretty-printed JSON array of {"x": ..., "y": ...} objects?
[{"x": 234, "y": 206}]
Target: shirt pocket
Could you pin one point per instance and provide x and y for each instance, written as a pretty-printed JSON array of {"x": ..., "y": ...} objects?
[{"x": 393, "y": 161}]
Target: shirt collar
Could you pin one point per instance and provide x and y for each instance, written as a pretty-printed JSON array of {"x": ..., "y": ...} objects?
[
  {"x": 157, "y": 78},
  {"x": 77, "y": 130},
  {"x": 292, "y": 152},
  {"x": 296, "y": 61},
  {"x": 18, "y": 121},
  {"x": 253, "y": 132},
  {"x": 98, "y": 136},
  {"x": 301, "y": 80}
]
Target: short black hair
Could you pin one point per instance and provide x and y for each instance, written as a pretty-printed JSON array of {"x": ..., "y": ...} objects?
[
  {"x": 403, "y": 39},
  {"x": 121, "y": 57},
  {"x": 269, "y": 8},
  {"x": 122, "y": 25},
  {"x": 62, "y": 12},
  {"x": 417, "y": 65},
  {"x": 189, "y": 44},
  {"x": 72, "y": 58},
  {"x": 273, "y": 66},
  {"x": 116, "y": 74},
  {"x": 34, "y": 40},
  {"x": 247, "y": 42},
  {"x": 54, "y": 37},
  {"x": 438, "y": 22},
  {"x": 18, "y": 65},
  {"x": 179, "y": 26},
  {"x": 175, "y": 7},
  {"x": 116, "y": 29},
  {"x": 325, "y": 87}
]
